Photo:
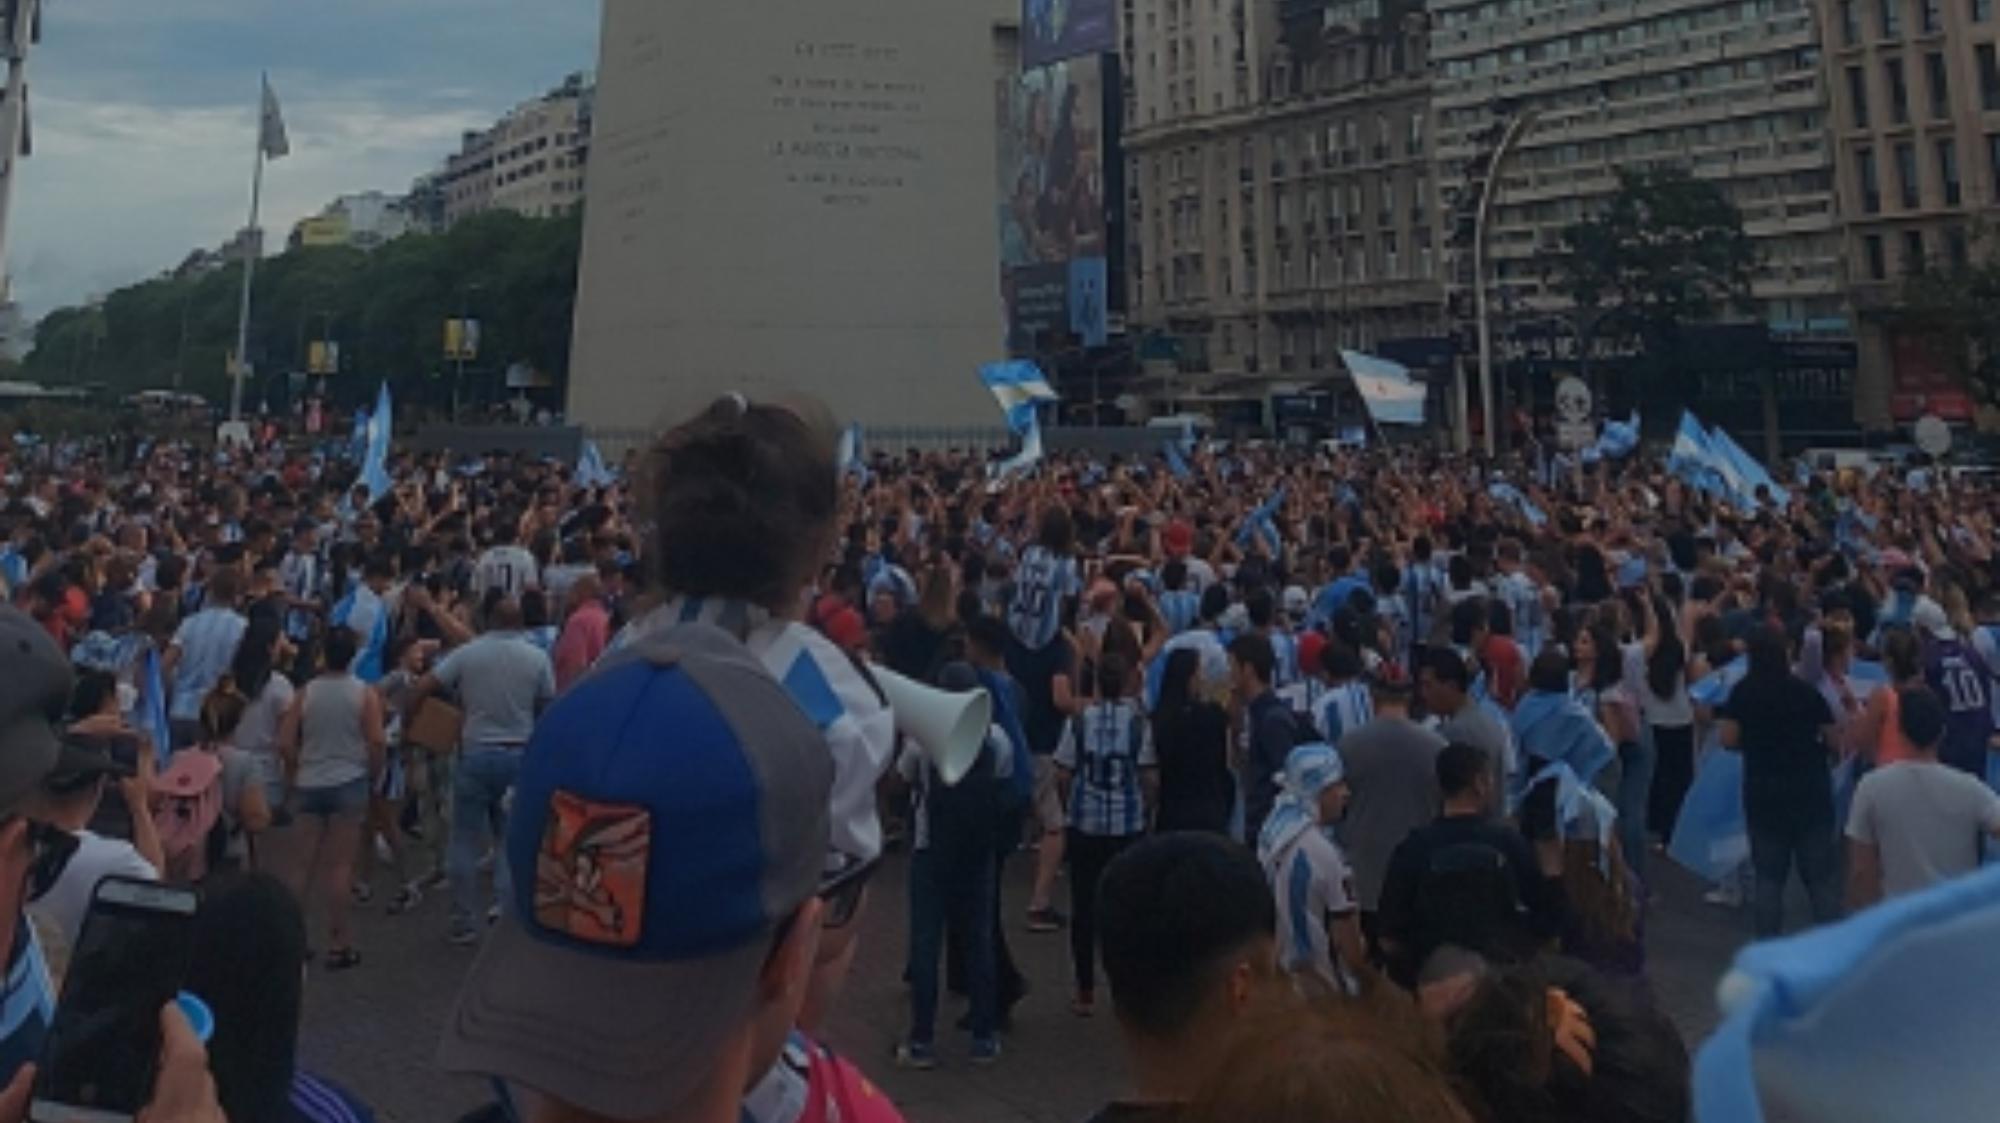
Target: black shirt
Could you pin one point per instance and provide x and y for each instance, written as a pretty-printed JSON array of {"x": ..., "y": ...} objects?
[
  {"x": 1137, "y": 1113},
  {"x": 1785, "y": 762},
  {"x": 1418, "y": 926},
  {"x": 1196, "y": 789}
]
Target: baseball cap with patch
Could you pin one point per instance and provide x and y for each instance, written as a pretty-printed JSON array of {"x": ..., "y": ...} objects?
[
  {"x": 670, "y": 817},
  {"x": 33, "y": 694}
]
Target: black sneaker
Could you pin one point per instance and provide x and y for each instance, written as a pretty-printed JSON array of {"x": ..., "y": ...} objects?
[{"x": 1046, "y": 920}]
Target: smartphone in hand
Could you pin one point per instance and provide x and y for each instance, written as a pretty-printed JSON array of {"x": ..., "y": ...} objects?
[{"x": 103, "y": 1047}]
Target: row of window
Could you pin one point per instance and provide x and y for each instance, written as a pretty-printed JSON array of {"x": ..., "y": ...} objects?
[
  {"x": 1888, "y": 19},
  {"x": 1355, "y": 261},
  {"x": 1937, "y": 87},
  {"x": 1904, "y": 157},
  {"x": 1912, "y": 252},
  {"x": 1473, "y": 15},
  {"x": 1597, "y": 43}
]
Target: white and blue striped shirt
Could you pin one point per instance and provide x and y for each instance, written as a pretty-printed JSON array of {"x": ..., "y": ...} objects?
[
  {"x": 1179, "y": 608},
  {"x": 1313, "y": 885},
  {"x": 1104, "y": 748},
  {"x": 1531, "y": 616},
  {"x": 1041, "y": 583},
  {"x": 1345, "y": 707},
  {"x": 1423, "y": 587}
]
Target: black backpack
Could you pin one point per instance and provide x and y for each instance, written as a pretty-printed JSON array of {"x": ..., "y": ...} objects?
[{"x": 1467, "y": 897}]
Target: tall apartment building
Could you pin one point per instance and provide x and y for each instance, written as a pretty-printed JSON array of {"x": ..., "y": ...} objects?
[
  {"x": 1730, "y": 89},
  {"x": 531, "y": 161},
  {"x": 1915, "y": 91},
  {"x": 1280, "y": 190}
]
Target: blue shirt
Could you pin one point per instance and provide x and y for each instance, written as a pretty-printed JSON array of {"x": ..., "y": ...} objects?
[
  {"x": 1531, "y": 618},
  {"x": 28, "y": 1004},
  {"x": 1422, "y": 588},
  {"x": 1105, "y": 747},
  {"x": 1345, "y": 707},
  {"x": 1041, "y": 583},
  {"x": 1180, "y": 608},
  {"x": 1334, "y": 597},
  {"x": 207, "y": 642}
]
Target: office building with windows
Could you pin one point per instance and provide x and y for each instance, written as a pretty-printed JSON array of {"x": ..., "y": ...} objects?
[
  {"x": 1280, "y": 192},
  {"x": 1915, "y": 99},
  {"x": 1729, "y": 89},
  {"x": 531, "y": 161}
]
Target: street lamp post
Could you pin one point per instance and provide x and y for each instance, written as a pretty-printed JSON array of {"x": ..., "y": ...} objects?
[{"x": 1516, "y": 128}]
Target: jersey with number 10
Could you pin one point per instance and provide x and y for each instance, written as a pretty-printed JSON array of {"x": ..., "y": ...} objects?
[{"x": 1961, "y": 678}]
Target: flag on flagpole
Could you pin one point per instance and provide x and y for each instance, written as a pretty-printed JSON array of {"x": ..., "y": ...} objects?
[
  {"x": 1017, "y": 385},
  {"x": 153, "y": 709},
  {"x": 375, "y": 466},
  {"x": 271, "y": 136},
  {"x": 850, "y": 450},
  {"x": 1177, "y": 463},
  {"x": 1386, "y": 389}
]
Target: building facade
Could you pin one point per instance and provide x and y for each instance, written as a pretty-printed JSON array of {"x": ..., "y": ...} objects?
[
  {"x": 1280, "y": 187},
  {"x": 1730, "y": 89},
  {"x": 532, "y": 161},
  {"x": 1915, "y": 97}
]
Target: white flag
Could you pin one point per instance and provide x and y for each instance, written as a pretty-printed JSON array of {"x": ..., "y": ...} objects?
[{"x": 271, "y": 135}]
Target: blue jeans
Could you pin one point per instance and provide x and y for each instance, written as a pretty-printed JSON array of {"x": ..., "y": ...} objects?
[
  {"x": 1636, "y": 762},
  {"x": 956, "y": 888},
  {"x": 479, "y": 789},
  {"x": 1776, "y": 846}
]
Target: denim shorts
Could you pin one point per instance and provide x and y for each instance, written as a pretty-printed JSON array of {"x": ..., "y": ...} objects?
[{"x": 349, "y": 800}]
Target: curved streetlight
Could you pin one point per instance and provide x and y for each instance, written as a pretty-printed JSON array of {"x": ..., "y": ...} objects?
[{"x": 1516, "y": 129}]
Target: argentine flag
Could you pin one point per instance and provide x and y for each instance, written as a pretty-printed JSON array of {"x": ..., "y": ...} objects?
[
  {"x": 375, "y": 465},
  {"x": 590, "y": 467},
  {"x": 1017, "y": 385}
]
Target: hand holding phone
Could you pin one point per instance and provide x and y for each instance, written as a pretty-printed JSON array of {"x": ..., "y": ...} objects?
[{"x": 105, "y": 1044}]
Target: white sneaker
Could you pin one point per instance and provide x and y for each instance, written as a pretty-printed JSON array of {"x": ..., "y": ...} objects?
[{"x": 1724, "y": 896}]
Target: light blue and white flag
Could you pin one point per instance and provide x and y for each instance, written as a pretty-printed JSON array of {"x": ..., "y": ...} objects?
[
  {"x": 153, "y": 709},
  {"x": 1176, "y": 463},
  {"x": 1746, "y": 468},
  {"x": 375, "y": 465},
  {"x": 1029, "y": 456},
  {"x": 1616, "y": 441},
  {"x": 1017, "y": 385},
  {"x": 1879, "y": 1017},
  {"x": 1504, "y": 492},
  {"x": 590, "y": 468},
  {"x": 1386, "y": 389},
  {"x": 1696, "y": 463}
]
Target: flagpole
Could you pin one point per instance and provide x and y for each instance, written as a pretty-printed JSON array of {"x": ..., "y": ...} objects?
[{"x": 253, "y": 245}]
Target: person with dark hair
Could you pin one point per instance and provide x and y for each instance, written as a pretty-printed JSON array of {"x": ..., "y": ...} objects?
[
  {"x": 250, "y": 936},
  {"x": 267, "y": 694},
  {"x": 1782, "y": 726},
  {"x": 1556, "y": 1042},
  {"x": 1919, "y": 821},
  {"x": 1669, "y": 715},
  {"x": 1392, "y": 774},
  {"x": 1271, "y": 729},
  {"x": 1187, "y": 923},
  {"x": 1467, "y": 880},
  {"x": 1191, "y": 733},
  {"x": 202, "y": 649},
  {"x": 986, "y": 650},
  {"x": 1445, "y": 684},
  {"x": 333, "y": 743},
  {"x": 1045, "y": 581},
  {"x": 1108, "y": 771}
]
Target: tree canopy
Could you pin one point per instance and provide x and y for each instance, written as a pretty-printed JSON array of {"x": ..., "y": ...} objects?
[
  {"x": 386, "y": 309},
  {"x": 1667, "y": 249},
  {"x": 1959, "y": 307}
]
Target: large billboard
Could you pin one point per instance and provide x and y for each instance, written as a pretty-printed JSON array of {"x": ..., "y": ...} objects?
[
  {"x": 1054, "y": 30},
  {"x": 1060, "y": 194},
  {"x": 789, "y": 198}
]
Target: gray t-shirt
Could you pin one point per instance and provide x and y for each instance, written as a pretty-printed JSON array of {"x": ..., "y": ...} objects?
[
  {"x": 1392, "y": 772},
  {"x": 1925, "y": 819},
  {"x": 503, "y": 681},
  {"x": 1474, "y": 726}
]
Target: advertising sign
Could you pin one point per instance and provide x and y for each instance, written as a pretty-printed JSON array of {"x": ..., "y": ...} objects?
[
  {"x": 1924, "y": 381},
  {"x": 1054, "y": 30},
  {"x": 1060, "y": 195}
]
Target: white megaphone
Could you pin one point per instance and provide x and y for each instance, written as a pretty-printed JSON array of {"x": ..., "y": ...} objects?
[{"x": 950, "y": 727}]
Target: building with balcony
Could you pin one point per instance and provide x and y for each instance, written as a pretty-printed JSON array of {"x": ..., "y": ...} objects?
[
  {"x": 1915, "y": 99},
  {"x": 1280, "y": 190},
  {"x": 531, "y": 161},
  {"x": 1730, "y": 89}
]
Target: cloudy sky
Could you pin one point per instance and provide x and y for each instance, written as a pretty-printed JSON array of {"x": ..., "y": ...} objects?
[{"x": 145, "y": 114}]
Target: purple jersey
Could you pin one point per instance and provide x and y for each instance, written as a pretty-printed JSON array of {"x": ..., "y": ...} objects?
[{"x": 1960, "y": 677}]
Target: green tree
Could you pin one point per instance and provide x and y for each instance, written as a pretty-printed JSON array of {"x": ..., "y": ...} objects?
[
  {"x": 1958, "y": 307},
  {"x": 387, "y": 309},
  {"x": 1666, "y": 250}
]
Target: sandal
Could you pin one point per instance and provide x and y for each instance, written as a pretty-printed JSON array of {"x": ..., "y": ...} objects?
[{"x": 340, "y": 959}]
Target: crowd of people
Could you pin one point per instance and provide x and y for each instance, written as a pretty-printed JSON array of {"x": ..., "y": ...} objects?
[{"x": 1361, "y": 769}]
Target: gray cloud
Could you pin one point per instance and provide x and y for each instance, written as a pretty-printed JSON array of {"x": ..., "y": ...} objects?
[{"x": 145, "y": 117}]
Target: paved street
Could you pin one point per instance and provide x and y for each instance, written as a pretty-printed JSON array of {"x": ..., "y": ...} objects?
[{"x": 376, "y": 1028}]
